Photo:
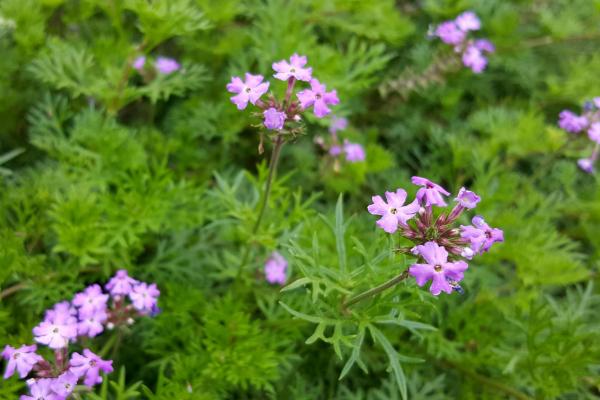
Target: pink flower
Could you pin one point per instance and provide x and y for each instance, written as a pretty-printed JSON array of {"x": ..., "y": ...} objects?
[
  {"x": 473, "y": 58},
  {"x": 485, "y": 45},
  {"x": 63, "y": 385},
  {"x": 594, "y": 132},
  {"x": 449, "y": 33},
  {"x": 293, "y": 69},
  {"x": 431, "y": 193},
  {"x": 394, "y": 212},
  {"x": 467, "y": 199},
  {"x": 41, "y": 389},
  {"x": 571, "y": 122},
  {"x": 335, "y": 150},
  {"x": 318, "y": 97},
  {"x": 55, "y": 336},
  {"x": 249, "y": 90},
  {"x": 468, "y": 21},
  {"x": 90, "y": 300},
  {"x": 337, "y": 124},
  {"x": 443, "y": 274},
  {"x": 22, "y": 359},
  {"x": 276, "y": 269},
  {"x": 91, "y": 322},
  {"x": 144, "y": 297},
  {"x": 274, "y": 119},
  {"x": 166, "y": 65},
  {"x": 586, "y": 164},
  {"x": 89, "y": 366},
  {"x": 354, "y": 152},
  {"x": 481, "y": 235},
  {"x": 121, "y": 284},
  {"x": 139, "y": 63}
]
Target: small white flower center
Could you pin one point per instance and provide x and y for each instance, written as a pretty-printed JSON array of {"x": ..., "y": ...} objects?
[{"x": 437, "y": 268}]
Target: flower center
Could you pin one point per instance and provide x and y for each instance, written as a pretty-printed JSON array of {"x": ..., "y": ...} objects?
[
  {"x": 292, "y": 69},
  {"x": 318, "y": 96},
  {"x": 16, "y": 356},
  {"x": 488, "y": 234},
  {"x": 248, "y": 90},
  {"x": 393, "y": 211},
  {"x": 55, "y": 330},
  {"x": 437, "y": 268},
  {"x": 93, "y": 363},
  {"x": 429, "y": 185}
]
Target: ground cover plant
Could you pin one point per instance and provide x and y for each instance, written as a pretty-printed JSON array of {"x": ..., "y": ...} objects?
[{"x": 277, "y": 199}]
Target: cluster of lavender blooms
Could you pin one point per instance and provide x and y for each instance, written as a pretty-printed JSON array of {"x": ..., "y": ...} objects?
[
  {"x": 589, "y": 122},
  {"x": 86, "y": 315},
  {"x": 337, "y": 149},
  {"x": 277, "y": 113},
  {"x": 276, "y": 269},
  {"x": 163, "y": 65},
  {"x": 456, "y": 32},
  {"x": 439, "y": 245}
]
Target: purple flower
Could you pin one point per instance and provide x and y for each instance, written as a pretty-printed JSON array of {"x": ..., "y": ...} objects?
[
  {"x": 90, "y": 300},
  {"x": 276, "y": 269},
  {"x": 467, "y": 199},
  {"x": 393, "y": 212},
  {"x": 318, "y": 97},
  {"x": 62, "y": 313},
  {"x": 485, "y": 45},
  {"x": 22, "y": 359},
  {"x": 139, "y": 63},
  {"x": 249, "y": 90},
  {"x": 55, "y": 336},
  {"x": 354, "y": 152},
  {"x": 468, "y": 21},
  {"x": 437, "y": 269},
  {"x": 596, "y": 101},
  {"x": 586, "y": 164},
  {"x": 571, "y": 122},
  {"x": 594, "y": 132},
  {"x": 337, "y": 124},
  {"x": 293, "y": 69},
  {"x": 431, "y": 193},
  {"x": 449, "y": 33},
  {"x": 41, "y": 389},
  {"x": 91, "y": 322},
  {"x": 89, "y": 366},
  {"x": 473, "y": 58},
  {"x": 120, "y": 284},
  {"x": 481, "y": 235},
  {"x": 144, "y": 297},
  {"x": 166, "y": 65},
  {"x": 63, "y": 385},
  {"x": 335, "y": 150},
  {"x": 274, "y": 119}
]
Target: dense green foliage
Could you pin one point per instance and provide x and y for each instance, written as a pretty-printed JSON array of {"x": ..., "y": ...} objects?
[{"x": 103, "y": 170}]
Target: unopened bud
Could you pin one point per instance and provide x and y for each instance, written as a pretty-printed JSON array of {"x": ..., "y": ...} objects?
[
  {"x": 110, "y": 326},
  {"x": 130, "y": 321}
]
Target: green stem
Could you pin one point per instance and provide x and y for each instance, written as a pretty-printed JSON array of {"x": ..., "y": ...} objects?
[
  {"x": 376, "y": 290},
  {"x": 265, "y": 196}
]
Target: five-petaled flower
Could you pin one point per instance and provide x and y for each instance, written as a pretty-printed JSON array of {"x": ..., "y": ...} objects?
[
  {"x": 480, "y": 235},
  {"x": 318, "y": 97},
  {"x": 294, "y": 69},
  {"x": 394, "y": 212},
  {"x": 249, "y": 90},
  {"x": 442, "y": 273},
  {"x": 22, "y": 359},
  {"x": 276, "y": 269},
  {"x": 430, "y": 193},
  {"x": 88, "y": 366}
]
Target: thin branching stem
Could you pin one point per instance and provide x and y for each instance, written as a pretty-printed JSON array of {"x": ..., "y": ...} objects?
[{"x": 376, "y": 290}]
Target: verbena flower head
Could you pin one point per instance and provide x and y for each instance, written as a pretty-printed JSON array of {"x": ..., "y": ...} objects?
[
  {"x": 121, "y": 284},
  {"x": 318, "y": 97},
  {"x": 22, "y": 360},
  {"x": 354, "y": 152},
  {"x": 436, "y": 239},
  {"x": 274, "y": 119},
  {"x": 294, "y": 69},
  {"x": 166, "y": 65},
  {"x": 144, "y": 297},
  {"x": 394, "y": 212},
  {"x": 249, "y": 90},
  {"x": 480, "y": 235},
  {"x": 276, "y": 269},
  {"x": 571, "y": 122},
  {"x": 437, "y": 269},
  {"x": 467, "y": 199},
  {"x": 471, "y": 51},
  {"x": 88, "y": 366},
  {"x": 431, "y": 193}
]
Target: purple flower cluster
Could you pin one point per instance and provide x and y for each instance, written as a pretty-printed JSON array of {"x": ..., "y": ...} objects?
[
  {"x": 276, "y": 269},
  {"x": 87, "y": 315},
  {"x": 346, "y": 150},
  {"x": 456, "y": 33},
  {"x": 163, "y": 65},
  {"x": 277, "y": 113},
  {"x": 439, "y": 245},
  {"x": 588, "y": 122}
]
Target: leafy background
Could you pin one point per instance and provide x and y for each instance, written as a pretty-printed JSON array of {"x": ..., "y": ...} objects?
[{"x": 104, "y": 171}]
